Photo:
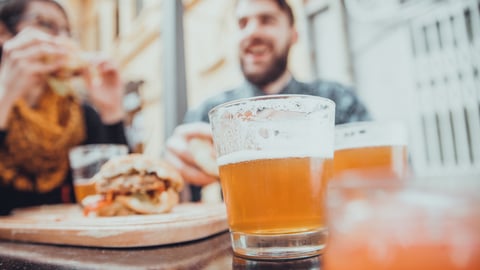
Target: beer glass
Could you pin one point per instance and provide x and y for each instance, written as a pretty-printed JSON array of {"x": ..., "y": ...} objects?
[
  {"x": 86, "y": 160},
  {"x": 275, "y": 156},
  {"x": 424, "y": 223},
  {"x": 374, "y": 150}
]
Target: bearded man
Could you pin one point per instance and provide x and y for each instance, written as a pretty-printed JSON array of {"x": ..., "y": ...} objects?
[{"x": 266, "y": 31}]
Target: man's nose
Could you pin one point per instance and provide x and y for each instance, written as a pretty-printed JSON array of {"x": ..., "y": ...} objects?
[
  {"x": 252, "y": 29},
  {"x": 63, "y": 33}
]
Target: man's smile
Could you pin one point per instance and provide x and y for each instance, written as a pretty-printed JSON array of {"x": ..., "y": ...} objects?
[{"x": 257, "y": 52}]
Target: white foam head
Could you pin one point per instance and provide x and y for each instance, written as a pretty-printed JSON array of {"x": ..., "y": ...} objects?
[
  {"x": 84, "y": 155},
  {"x": 249, "y": 155},
  {"x": 274, "y": 126},
  {"x": 368, "y": 134}
]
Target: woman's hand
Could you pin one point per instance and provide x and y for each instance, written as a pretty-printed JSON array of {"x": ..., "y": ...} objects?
[
  {"x": 27, "y": 59},
  {"x": 105, "y": 89}
]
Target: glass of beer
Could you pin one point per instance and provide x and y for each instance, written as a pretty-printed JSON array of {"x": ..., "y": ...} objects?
[
  {"x": 275, "y": 157},
  {"x": 424, "y": 223},
  {"x": 86, "y": 160},
  {"x": 373, "y": 150}
]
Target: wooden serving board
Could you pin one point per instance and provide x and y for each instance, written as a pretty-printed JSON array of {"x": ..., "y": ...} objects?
[{"x": 66, "y": 225}]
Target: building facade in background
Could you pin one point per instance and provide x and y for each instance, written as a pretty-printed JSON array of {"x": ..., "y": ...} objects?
[{"x": 414, "y": 61}]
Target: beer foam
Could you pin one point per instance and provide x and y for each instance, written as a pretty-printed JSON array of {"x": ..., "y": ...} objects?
[
  {"x": 286, "y": 103},
  {"x": 85, "y": 155},
  {"x": 274, "y": 125},
  {"x": 247, "y": 155},
  {"x": 86, "y": 159},
  {"x": 369, "y": 134}
]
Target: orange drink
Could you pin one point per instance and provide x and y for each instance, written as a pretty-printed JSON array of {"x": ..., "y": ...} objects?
[
  {"x": 372, "y": 150},
  {"x": 275, "y": 159},
  {"x": 427, "y": 224},
  {"x": 83, "y": 188}
]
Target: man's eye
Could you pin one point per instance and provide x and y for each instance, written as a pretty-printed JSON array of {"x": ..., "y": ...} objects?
[
  {"x": 242, "y": 23},
  {"x": 267, "y": 20}
]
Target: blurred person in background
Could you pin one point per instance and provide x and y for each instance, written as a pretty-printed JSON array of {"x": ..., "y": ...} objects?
[
  {"x": 40, "y": 121},
  {"x": 266, "y": 34}
]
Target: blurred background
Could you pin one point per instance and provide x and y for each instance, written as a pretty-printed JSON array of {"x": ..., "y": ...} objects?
[{"x": 414, "y": 61}]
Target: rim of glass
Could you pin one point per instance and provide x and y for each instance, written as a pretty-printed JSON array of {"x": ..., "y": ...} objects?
[
  {"x": 267, "y": 97},
  {"x": 98, "y": 145},
  {"x": 385, "y": 133},
  {"x": 367, "y": 123}
]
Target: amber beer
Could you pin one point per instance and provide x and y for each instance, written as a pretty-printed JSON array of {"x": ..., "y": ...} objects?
[
  {"x": 83, "y": 188},
  {"x": 389, "y": 162},
  {"x": 370, "y": 150},
  {"x": 86, "y": 161},
  {"x": 274, "y": 195}
]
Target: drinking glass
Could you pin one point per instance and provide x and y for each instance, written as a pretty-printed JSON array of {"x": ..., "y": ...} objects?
[
  {"x": 429, "y": 223},
  {"x": 375, "y": 150},
  {"x": 86, "y": 160},
  {"x": 275, "y": 157}
]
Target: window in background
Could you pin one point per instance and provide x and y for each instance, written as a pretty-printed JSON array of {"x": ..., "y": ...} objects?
[
  {"x": 446, "y": 56},
  {"x": 415, "y": 61},
  {"x": 329, "y": 41}
]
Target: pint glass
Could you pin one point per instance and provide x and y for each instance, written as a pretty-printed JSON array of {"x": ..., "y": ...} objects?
[
  {"x": 275, "y": 156},
  {"x": 370, "y": 150}
]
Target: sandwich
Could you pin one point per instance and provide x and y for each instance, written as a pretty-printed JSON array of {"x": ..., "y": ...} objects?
[
  {"x": 204, "y": 155},
  {"x": 75, "y": 65},
  {"x": 134, "y": 184}
]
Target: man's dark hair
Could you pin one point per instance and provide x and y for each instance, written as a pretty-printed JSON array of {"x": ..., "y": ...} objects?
[
  {"x": 284, "y": 6},
  {"x": 11, "y": 12}
]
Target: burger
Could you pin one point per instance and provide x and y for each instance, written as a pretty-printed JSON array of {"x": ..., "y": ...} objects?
[
  {"x": 134, "y": 184},
  {"x": 74, "y": 66}
]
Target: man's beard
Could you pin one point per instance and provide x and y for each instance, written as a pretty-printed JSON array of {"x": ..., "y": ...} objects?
[{"x": 272, "y": 72}]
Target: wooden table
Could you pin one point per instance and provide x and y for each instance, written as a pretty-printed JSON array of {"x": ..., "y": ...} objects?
[{"x": 213, "y": 253}]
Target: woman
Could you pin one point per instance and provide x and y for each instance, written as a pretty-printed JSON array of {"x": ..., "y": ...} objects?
[{"x": 37, "y": 125}]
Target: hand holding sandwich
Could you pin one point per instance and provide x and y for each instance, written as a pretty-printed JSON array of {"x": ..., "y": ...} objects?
[
  {"x": 23, "y": 68},
  {"x": 190, "y": 151},
  {"x": 105, "y": 88},
  {"x": 41, "y": 59}
]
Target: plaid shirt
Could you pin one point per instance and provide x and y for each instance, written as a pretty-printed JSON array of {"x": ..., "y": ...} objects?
[{"x": 348, "y": 106}]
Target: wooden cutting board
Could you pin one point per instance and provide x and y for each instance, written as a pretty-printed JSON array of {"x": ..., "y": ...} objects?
[{"x": 66, "y": 225}]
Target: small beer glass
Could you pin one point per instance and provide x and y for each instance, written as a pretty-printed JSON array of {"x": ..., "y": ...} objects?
[
  {"x": 86, "y": 160},
  {"x": 374, "y": 150}
]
